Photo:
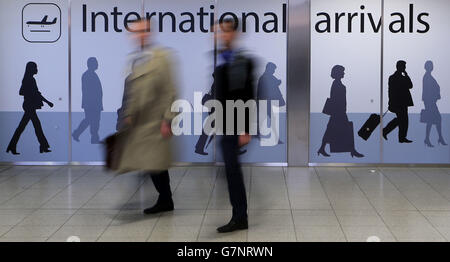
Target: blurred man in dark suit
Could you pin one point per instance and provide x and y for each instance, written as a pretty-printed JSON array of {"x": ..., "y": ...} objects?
[{"x": 234, "y": 82}]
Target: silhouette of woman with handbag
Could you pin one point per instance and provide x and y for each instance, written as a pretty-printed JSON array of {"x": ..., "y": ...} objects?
[
  {"x": 339, "y": 133},
  {"x": 431, "y": 93},
  {"x": 32, "y": 100}
]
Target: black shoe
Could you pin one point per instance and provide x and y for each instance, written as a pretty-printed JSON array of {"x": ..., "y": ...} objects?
[
  {"x": 428, "y": 143},
  {"x": 201, "y": 152},
  {"x": 385, "y": 136},
  {"x": 241, "y": 152},
  {"x": 160, "y": 207},
  {"x": 12, "y": 151},
  {"x": 441, "y": 141},
  {"x": 76, "y": 138},
  {"x": 233, "y": 225},
  {"x": 356, "y": 154},
  {"x": 405, "y": 141},
  {"x": 323, "y": 153},
  {"x": 43, "y": 150}
]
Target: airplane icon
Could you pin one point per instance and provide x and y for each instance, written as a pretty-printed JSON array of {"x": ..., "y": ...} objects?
[{"x": 42, "y": 23}]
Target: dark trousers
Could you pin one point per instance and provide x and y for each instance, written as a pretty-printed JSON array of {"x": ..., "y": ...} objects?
[
  {"x": 202, "y": 142},
  {"x": 29, "y": 115},
  {"x": 92, "y": 120},
  {"x": 161, "y": 181},
  {"x": 235, "y": 179},
  {"x": 401, "y": 121}
]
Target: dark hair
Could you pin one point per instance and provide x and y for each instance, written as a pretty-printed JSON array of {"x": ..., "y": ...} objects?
[
  {"x": 232, "y": 21},
  {"x": 30, "y": 69},
  {"x": 401, "y": 63},
  {"x": 336, "y": 71},
  {"x": 143, "y": 20}
]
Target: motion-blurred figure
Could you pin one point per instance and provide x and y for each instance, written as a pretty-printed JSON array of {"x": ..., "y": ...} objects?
[
  {"x": 430, "y": 95},
  {"x": 32, "y": 100},
  {"x": 92, "y": 102},
  {"x": 121, "y": 111},
  {"x": 147, "y": 116},
  {"x": 233, "y": 81}
]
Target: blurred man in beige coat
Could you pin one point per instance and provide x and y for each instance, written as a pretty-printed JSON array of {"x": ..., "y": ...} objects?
[{"x": 147, "y": 115}]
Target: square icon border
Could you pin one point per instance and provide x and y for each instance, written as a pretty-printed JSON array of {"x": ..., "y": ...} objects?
[{"x": 60, "y": 24}]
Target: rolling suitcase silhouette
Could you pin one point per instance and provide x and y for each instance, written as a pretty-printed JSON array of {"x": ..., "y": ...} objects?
[{"x": 369, "y": 126}]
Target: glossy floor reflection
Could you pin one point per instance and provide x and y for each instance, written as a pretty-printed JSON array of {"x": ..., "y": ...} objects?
[{"x": 286, "y": 204}]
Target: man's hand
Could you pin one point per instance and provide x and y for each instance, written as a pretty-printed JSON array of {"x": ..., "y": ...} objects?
[
  {"x": 127, "y": 121},
  {"x": 244, "y": 140},
  {"x": 166, "y": 130}
]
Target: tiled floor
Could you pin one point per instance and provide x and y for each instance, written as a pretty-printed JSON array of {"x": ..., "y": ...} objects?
[{"x": 285, "y": 204}]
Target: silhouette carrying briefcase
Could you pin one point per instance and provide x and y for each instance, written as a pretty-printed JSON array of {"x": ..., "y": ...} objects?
[
  {"x": 113, "y": 146},
  {"x": 369, "y": 126}
]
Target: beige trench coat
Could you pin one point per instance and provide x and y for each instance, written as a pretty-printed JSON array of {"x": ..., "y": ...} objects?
[{"x": 151, "y": 94}]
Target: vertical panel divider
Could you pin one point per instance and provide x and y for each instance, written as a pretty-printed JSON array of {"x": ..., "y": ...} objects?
[
  {"x": 298, "y": 73},
  {"x": 70, "y": 78},
  {"x": 382, "y": 82},
  {"x": 214, "y": 68},
  {"x": 287, "y": 90}
]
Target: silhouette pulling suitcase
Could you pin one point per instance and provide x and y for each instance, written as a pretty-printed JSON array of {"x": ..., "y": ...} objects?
[{"x": 369, "y": 126}]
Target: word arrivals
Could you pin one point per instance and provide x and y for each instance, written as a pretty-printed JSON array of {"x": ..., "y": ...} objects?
[
  {"x": 185, "y": 22},
  {"x": 400, "y": 23},
  {"x": 194, "y": 252}
]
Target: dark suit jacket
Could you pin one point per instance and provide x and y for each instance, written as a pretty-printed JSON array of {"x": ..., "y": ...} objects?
[
  {"x": 234, "y": 81},
  {"x": 399, "y": 94}
]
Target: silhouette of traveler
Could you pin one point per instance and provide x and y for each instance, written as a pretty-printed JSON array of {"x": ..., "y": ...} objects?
[
  {"x": 268, "y": 89},
  {"x": 430, "y": 95},
  {"x": 203, "y": 141},
  {"x": 399, "y": 100},
  {"x": 32, "y": 100},
  {"x": 339, "y": 133},
  {"x": 92, "y": 102}
]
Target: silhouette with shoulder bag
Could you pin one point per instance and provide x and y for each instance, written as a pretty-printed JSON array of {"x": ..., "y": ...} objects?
[{"x": 32, "y": 101}]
